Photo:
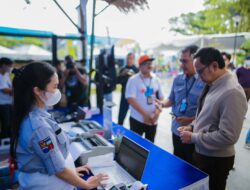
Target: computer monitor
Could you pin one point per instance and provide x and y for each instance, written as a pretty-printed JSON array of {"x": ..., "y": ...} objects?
[{"x": 132, "y": 157}]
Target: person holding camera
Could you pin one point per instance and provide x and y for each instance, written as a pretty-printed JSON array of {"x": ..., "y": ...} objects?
[
  {"x": 76, "y": 83},
  {"x": 125, "y": 73}
]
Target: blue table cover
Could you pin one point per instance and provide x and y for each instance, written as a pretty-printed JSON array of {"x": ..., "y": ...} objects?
[{"x": 163, "y": 170}]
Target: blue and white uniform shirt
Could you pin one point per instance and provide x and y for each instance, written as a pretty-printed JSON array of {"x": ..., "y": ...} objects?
[
  {"x": 189, "y": 90},
  {"x": 42, "y": 146}
]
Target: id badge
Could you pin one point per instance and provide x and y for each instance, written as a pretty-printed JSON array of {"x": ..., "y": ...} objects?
[
  {"x": 183, "y": 106},
  {"x": 149, "y": 100}
]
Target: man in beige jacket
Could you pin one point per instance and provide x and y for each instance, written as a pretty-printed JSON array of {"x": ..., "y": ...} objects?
[{"x": 219, "y": 118}]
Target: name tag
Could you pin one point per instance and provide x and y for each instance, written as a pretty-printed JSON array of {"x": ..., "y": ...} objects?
[{"x": 149, "y": 100}]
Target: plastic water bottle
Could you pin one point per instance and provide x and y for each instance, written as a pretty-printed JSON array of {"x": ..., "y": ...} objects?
[
  {"x": 107, "y": 120},
  {"x": 248, "y": 140}
]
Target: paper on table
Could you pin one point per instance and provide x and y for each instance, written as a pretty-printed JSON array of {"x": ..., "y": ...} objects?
[
  {"x": 101, "y": 161},
  {"x": 76, "y": 149},
  {"x": 77, "y": 130},
  {"x": 74, "y": 131},
  {"x": 138, "y": 185},
  {"x": 94, "y": 111},
  {"x": 67, "y": 125}
]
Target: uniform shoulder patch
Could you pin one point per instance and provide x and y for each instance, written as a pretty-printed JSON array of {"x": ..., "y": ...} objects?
[{"x": 46, "y": 145}]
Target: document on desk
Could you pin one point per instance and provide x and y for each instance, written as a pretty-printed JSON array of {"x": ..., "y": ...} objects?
[
  {"x": 77, "y": 130},
  {"x": 76, "y": 149},
  {"x": 66, "y": 126}
]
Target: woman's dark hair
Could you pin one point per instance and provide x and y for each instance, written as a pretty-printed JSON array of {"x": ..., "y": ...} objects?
[
  {"x": 36, "y": 74},
  {"x": 208, "y": 54}
]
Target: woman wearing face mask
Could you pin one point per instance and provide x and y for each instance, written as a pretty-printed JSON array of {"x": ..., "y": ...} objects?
[
  {"x": 243, "y": 74},
  {"x": 38, "y": 144}
]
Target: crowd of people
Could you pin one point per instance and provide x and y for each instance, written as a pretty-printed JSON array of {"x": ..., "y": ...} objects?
[{"x": 208, "y": 102}]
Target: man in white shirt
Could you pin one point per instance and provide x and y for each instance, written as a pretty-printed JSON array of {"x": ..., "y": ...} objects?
[
  {"x": 141, "y": 91},
  {"x": 5, "y": 96}
]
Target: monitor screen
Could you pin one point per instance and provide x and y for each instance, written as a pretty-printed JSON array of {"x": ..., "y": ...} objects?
[{"x": 132, "y": 157}]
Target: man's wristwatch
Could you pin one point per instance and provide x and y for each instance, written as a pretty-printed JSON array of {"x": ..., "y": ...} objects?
[{"x": 192, "y": 126}]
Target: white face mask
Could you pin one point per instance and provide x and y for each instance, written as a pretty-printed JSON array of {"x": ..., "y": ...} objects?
[
  {"x": 52, "y": 98},
  {"x": 247, "y": 62}
]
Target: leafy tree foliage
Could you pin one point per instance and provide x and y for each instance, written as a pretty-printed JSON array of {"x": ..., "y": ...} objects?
[
  {"x": 246, "y": 47},
  {"x": 217, "y": 17},
  {"x": 14, "y": 41},
  {"x": 128, "y": 5}
]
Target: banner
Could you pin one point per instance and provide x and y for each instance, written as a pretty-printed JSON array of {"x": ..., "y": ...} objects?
[{"x": 83, "y": 15}]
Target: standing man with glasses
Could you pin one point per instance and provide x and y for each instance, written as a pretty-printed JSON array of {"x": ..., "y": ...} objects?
[
  {"x": 183, "y": 99},
  {"x": 219, "y": 118},
  {"x": 142, "y": 90}
]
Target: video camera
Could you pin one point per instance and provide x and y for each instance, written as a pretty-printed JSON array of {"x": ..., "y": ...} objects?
[{"x": 69, "y": 62}]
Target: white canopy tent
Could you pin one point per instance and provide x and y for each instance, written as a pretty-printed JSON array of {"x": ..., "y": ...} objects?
[
  {"x": 224, "y": 42},
  {"x": 33, "y": 52},
  {"x": 6, "y": 52}
]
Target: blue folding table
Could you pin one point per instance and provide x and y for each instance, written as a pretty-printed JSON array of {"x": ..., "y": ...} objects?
[{"x": 163, "y": 170}]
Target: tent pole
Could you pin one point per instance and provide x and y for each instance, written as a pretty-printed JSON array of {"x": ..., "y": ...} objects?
[
  {"x": 54, "y": 49},
  {"x": 92, "y": 47}
]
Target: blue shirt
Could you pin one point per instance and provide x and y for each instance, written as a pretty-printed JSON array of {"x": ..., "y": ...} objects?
[
  {"x": 5, "y": 82},
  {"x": 42, "y": 145},
  {"x": 185, "y": 88}
]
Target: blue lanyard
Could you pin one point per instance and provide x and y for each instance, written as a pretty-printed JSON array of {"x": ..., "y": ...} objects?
[
  {"x": 145, "y": 83},
  {"x": 190, "y": 87}
]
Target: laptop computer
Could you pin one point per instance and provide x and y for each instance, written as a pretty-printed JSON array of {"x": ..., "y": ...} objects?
[{"x": 128, "y": 166}]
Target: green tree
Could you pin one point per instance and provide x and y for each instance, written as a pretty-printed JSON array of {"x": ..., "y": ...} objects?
[
  {"x": 246, "y": 46},
  {"x": 15, "y": 41},
  {"x": 217, "y": 17},
  {"x": 68, "y": 49}
]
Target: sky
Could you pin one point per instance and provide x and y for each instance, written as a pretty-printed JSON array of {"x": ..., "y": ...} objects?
[{"x": 147, "y": 26}]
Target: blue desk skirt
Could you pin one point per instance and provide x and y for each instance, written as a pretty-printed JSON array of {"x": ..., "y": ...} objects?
[{"x": 163, "y": 170}]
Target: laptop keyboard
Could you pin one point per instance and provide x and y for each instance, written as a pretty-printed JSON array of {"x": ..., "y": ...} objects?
[
  {"x": 116, "y": 175},
  {"x": 119, "y": 176}
]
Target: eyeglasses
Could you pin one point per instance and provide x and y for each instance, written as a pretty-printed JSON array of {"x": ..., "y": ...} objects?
[
  {"x": 200, "y": 71},
  {"x": 184, "y": 61}
]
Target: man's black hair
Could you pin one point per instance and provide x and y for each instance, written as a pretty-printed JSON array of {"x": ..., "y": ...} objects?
[
  {"x": 209, "y": 54},
  {"x": 5, "y": 61},
  {"x": 191, "y": 49}
]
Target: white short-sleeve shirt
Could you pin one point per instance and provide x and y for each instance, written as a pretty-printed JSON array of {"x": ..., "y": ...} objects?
[
  {"x": 136, "y": 88},
  {"x": 5, "y": 82}
]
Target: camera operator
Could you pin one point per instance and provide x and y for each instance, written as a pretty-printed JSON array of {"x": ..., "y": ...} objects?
[{"x": 76, "y": 83}]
